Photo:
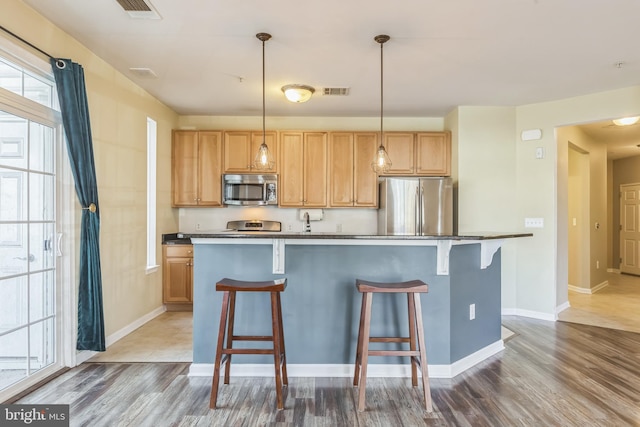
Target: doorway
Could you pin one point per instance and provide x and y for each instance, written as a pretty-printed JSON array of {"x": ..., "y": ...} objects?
[{"x": 630, "y": 229}]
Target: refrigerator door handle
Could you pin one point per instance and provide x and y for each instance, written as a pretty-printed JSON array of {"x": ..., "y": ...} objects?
[
  {"x": 420, "y": 218},
  {"x": 417, "y": 216}
]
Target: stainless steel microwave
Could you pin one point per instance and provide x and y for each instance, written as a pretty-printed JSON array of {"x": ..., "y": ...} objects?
[{"x": 250, "y": 190}]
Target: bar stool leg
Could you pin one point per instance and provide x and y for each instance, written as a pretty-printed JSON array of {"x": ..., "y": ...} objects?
[
  {"x": 426, "y": 389},
  {"x": 412, "y": 339},
  {"x": 368, "y": 297},
  {"x": 216, "y": 367},
  {"x": 277, "y": 346},
  {"x": 231, "y": 318},
  {"x": 356, "y": 374},
  {"x": 283, "y": 353}
]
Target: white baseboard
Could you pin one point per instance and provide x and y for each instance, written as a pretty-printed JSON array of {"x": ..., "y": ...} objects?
[
  {"x": 562, "y": 307},
  {"x": 118, "y": 335},
  {"x": 346, "y": 370},
  {"x": 588, "y": 291},
  {"x": 84, "y": 355},
  {"x": 529, "y": 313},
  {"x": 613, "y": 270}
]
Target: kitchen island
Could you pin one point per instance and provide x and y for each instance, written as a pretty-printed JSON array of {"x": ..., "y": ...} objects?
[{"x": 321, "y": 305}]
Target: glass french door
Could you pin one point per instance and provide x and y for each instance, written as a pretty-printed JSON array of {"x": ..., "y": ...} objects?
[{"x": 28, "y": 291}]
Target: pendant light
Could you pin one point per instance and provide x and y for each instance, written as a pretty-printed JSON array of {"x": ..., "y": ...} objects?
[
  {"x": 264, "y": 159},
  {"x": 381, "y": 163}
]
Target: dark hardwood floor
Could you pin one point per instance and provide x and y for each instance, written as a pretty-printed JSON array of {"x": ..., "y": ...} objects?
[{"x": 550, "y": 374}]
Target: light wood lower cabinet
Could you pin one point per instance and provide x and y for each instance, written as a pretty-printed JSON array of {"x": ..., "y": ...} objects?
[
  {"x": 177, "y": 275},
  {"x": 195, "y": 166},
  {"x": 303, "y": 169},
  {"x": 352, "y": 181}
]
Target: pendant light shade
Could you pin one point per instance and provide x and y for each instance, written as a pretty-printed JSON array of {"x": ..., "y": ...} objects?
[
  {"x": 264, "y": 159},
  {"x": 381, "y": 163}
]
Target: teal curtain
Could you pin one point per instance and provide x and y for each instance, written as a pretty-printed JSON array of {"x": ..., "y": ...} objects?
[{"x": 72, "y": 95}]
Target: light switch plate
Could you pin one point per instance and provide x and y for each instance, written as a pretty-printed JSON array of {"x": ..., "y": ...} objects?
[{"x": 534, "y": 222}]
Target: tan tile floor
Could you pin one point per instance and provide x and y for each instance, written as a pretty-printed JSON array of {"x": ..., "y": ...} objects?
[
  {"x": 167, "y": 338},
  {"x": 617, "y": 306}
]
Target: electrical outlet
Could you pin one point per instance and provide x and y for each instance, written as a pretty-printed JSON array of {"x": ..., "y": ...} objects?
[
  {"x": 534, "y": 222},
  {"x": 289, "y": 227},
  {"x": 198, "y": 226},
  {"x": 338, "y": 228},
  {"x": 472, "y": 311}
]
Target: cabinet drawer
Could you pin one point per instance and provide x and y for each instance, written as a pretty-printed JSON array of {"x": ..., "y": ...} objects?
[{"x": 179, "y": 250}]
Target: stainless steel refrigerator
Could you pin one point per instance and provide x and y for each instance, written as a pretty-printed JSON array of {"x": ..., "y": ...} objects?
[{"x": 415, "y": 206}]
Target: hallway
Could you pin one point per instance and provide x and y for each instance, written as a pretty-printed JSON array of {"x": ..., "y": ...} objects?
[{"x": 617, "y": 306}]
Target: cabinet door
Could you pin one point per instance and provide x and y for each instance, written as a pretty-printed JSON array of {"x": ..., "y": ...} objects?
[
  {"x": 237, "y": 152},
  {"x": 400, "y": 147},
  {"x": 184, "y": 168},
  {"x": 177, "y": 280},
  {"x": 341, "y": 169},
  {"x": 271, "y": 138},
  {"x": 209, "y": 170},
  {"x": 365, "y": 180},
  {"x": 315, "y": 169},
  {"x": 433, "y": 154},
  {"x": 290, "y": 183}
]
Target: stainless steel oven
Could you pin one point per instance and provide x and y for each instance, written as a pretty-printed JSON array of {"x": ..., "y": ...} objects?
[{"x": 250, "y": 190}]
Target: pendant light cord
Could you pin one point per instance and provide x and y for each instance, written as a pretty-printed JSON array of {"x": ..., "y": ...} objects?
[
  {"x": 264, "y": 132},
  {"x": 381, "y": 93}
]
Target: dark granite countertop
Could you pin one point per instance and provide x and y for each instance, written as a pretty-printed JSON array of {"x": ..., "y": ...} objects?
[
  {"x": 306, "y": 235},
  {"x": 175, "y": 239}
]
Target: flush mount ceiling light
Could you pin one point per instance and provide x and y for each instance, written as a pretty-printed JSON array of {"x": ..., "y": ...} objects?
[
  {"x": 264, "y": 158},
  {"x": 381, "y": 162},
  {"x": 626, "y": 121},
  {"x": 298, "y": 93}
]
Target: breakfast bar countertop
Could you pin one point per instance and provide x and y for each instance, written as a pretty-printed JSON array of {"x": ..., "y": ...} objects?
[{"x": 233, "y": 234}]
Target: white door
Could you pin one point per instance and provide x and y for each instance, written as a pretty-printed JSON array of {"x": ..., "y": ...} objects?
[
  {"x": 30, "y": 285},
  {"x": 630, "y": 228}
]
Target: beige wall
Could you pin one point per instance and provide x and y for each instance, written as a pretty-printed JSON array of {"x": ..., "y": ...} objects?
[
  {"x": 118, "y": 112},
  {"x": 485, "y": 146},
  {"x": 542, "y": 192},
  {"x": 578, "y": 211}
]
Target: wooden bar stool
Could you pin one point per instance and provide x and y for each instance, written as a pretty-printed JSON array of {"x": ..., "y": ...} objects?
[
  {"x": 418, "y": 356},
  {"x": 223, "y": 354}
]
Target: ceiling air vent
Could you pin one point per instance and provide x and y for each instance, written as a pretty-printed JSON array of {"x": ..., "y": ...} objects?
[
  {"x": 139, "y": 9},
  {"x": 336, "y": 91},
  {"x": 144, "y": 73}
]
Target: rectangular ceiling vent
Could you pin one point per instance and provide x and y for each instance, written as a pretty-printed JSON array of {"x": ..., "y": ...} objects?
[
  {"x": 143, "y": 73},
  {"x": 139, "y": 9},
  {"x": 336, "y": 91}
]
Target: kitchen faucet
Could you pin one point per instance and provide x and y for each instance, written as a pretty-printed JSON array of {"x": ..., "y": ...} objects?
[{"x": 307, "y": 224}]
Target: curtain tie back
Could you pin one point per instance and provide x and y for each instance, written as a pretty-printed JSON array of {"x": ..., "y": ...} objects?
[{"x": 92, "y": 208}]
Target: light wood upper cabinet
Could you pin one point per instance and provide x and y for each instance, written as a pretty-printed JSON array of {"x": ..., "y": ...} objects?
[
  {"x": 433, "y": 153},
  {"x": 400, "y": 147},
  {"x": 352, "y": 182},
  {"x": 196, "y": 171},
  {"x": 303, "y": 169},
  {"x": 241, "y": 147},
  {"x": 419, "y": 154}
]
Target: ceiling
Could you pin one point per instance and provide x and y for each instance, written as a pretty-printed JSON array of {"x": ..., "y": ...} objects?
[{"x": 442, "y": 54}]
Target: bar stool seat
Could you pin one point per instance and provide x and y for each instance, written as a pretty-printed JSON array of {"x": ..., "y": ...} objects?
[
  {"x": 227, "y": 316},
  {"x": 413, "y": 289}
]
